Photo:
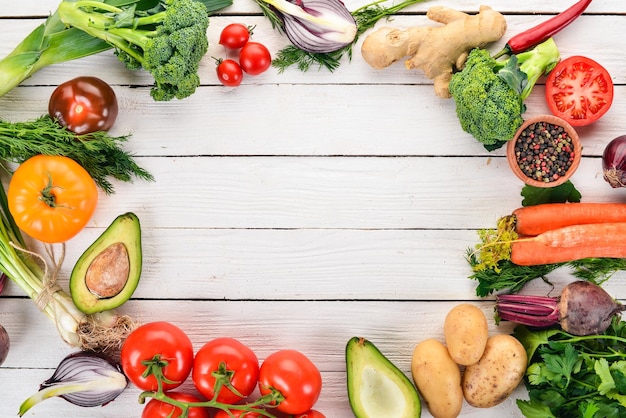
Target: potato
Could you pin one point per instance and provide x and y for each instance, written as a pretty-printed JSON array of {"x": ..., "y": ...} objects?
[
  {"x": 466, "y": 331},
  {"x": 438, "y": 379},
  {"x": 497, "y": 373}
]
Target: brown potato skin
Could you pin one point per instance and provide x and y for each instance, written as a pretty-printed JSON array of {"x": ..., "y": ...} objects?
[
  {"x": 498, "y": 372},
  {"x": 466, "y": 331},
  {"x": 438, "y": 379}
]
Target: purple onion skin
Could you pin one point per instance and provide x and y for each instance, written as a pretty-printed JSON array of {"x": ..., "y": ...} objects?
[
  {"x": 614, "y": 162},
  {"x": 4, "y": 344}
]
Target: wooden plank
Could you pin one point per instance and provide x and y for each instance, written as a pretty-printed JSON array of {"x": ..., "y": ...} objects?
[
  {"x": 349, "y": 120},
  {"x": 43, "y": 7},
  {"x": 394, "y": 328},
  {"x": 581, "y": 39}
]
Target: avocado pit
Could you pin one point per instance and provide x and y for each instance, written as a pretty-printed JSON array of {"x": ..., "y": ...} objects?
[{"x": 108, "y": 273}]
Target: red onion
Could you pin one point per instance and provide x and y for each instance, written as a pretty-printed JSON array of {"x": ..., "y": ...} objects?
[
  {"x": 614, "y": 162},
  {"x": 318, "y": 26}
]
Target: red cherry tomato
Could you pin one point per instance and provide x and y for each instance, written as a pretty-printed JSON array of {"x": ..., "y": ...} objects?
[
  {"x": 159, "y": 409},
  {"x": 229, "y": 73},
  {"x": 311, "y": 414},
  {"x": 254, "y": 58},
  {"x": 161, "y": 339},
  {"x": 230, "y": 358},
  {"x": 84, "y": 105},
  {"x": 236, "y": 413},
  {"x": 235, "y": 35},
  {"x": 295, "y": 377},
  {"x": 579, "y": 90}
]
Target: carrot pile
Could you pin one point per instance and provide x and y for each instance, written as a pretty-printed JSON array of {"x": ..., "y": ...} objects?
[{"x": 562, "y": 232}]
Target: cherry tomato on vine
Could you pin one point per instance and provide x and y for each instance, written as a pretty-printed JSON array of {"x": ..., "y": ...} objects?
[
  {"x": 254, "y": 58},
  {"x": 160, "y": 340},
  {"x": 579, "y": 90},
  {"x": 229, "y": 73},
  {"x": 84, "y": 105},
  {"x": 230, "y": 360},
  {"x": 52, "y": 197},
  {"x": 158, "y": 409},
  {"x": 235, "y": 35},
  {"x": 236, "y": 413},
  {"x": 295, "y": 377}
]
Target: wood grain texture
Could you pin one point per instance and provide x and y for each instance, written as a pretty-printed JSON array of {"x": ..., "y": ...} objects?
[{"x": 301, "y": 209}]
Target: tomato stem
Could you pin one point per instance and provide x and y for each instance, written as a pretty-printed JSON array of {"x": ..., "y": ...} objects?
[
  {"x": 223, "y": 376},
  {"x": 47, "y": 196}
]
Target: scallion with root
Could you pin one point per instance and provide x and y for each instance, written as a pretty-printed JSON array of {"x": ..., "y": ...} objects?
[
  {"x": 101, "y": 332},
  {"x": 314, "y": 43},
  {"x": 82, "y": 378}
]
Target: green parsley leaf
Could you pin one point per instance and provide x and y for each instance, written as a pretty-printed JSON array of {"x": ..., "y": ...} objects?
[{"x": 565, "y": 192}]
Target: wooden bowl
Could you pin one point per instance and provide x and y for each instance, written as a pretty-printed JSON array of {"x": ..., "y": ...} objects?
[{"x": 512, "y": 157}]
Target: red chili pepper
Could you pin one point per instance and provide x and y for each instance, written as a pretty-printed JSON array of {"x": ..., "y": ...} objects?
[{"x": 536, "y": 35}]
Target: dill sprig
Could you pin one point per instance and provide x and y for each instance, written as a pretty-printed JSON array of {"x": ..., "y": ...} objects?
[
  {"x": 99, "y": 153},
  {"x": 365, "y": 18}
]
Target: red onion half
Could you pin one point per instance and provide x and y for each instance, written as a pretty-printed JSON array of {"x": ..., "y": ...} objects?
[
  {"x": 318, "y": 26},
  {"x": 614, "y": 162}
]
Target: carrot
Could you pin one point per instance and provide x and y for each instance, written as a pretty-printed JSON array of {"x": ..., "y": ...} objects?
[
  {"x": 571, "y": 243},
  {"x": 534, "y": 220}
]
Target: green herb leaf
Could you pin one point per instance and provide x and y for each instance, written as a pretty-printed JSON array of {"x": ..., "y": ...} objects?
[
  {"x": 565, "y": 192},
  {"x": 574, "y": 376},
  {"x": 99, "y": 153}
]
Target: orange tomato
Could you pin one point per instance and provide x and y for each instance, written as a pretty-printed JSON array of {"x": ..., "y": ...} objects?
[{"x": 51, "y": 198}]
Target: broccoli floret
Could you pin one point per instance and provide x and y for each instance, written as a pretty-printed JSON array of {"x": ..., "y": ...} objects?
[
  {"x": 168, "y": 40},
  {"x": 489, "y": 94}
]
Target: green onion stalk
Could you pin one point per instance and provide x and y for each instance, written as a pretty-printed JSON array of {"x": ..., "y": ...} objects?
[{"x": 100, "y": 332}]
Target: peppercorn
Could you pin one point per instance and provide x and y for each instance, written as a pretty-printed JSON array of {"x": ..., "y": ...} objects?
[{"x": 544, "y": 151}]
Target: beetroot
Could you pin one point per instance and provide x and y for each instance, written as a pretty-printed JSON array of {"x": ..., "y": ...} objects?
[{"x": 583, "y": 308}]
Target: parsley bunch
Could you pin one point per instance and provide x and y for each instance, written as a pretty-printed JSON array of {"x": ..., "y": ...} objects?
[{"x": 575, "y": 376}]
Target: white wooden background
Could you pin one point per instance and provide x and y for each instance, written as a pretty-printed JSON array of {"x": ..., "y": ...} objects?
[{"x": 301, "y": 209}]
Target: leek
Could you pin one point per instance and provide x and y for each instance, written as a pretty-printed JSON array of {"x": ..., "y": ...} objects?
[{"x": 52, "y": 42}]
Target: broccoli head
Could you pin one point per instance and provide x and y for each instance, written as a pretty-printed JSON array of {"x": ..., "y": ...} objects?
[
  {"x": 487, "y": 107},
  {"x": 489, "y": 94},
  {"x": 168, "y": 40}
]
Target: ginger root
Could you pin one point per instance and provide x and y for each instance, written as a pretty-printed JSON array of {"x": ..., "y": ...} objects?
[{"x": 437, "y": 51}]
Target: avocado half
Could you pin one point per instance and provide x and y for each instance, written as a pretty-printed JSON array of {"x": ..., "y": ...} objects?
[
  {"x": 107, "y": 273},
  {"x": 376, "y": 387}
]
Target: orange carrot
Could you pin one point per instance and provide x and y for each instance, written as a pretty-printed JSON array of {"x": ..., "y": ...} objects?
[
  {"x": 571, "y": 243},
  {"x": 534, "y": 220}
]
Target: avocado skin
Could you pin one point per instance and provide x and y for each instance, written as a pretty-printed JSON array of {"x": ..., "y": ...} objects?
[
  {"x": 125, "y": 229},
  {"x": 362, "y": 354}
]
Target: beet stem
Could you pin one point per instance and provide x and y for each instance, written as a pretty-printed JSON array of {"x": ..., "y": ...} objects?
[{"x": 533, "y": 311}]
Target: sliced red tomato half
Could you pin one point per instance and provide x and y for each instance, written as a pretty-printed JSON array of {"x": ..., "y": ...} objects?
[{"x": 579, "y": 90}]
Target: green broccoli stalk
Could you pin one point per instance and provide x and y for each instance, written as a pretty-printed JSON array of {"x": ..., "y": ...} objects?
[
  {"x": 489, "y": 94},
  {"x": 56, "y": 41},
  {"x": 168, "y": 41}
]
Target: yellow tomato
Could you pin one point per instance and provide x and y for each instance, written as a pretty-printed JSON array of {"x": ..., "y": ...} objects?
[{"x": 52, "y": 198}]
